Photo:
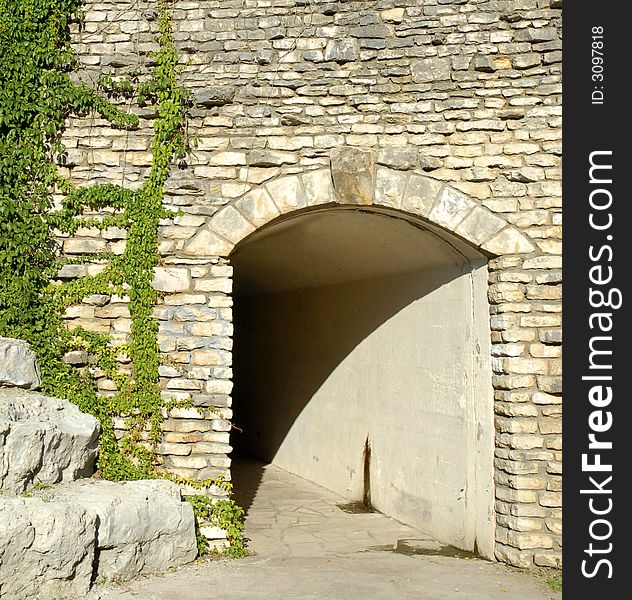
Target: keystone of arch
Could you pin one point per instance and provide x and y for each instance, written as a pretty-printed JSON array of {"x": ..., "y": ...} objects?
[{"x": 355, "y": 180}]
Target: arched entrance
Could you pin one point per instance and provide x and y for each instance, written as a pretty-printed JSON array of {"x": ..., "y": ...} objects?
[
  {"x": 361, "y": 362},
  {"x": 403, "y": 362}
]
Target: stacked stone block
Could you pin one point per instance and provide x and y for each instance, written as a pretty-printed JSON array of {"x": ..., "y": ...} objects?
[
  {"x": 196, "y": 335},
  {"x": 459, "y": 92}
]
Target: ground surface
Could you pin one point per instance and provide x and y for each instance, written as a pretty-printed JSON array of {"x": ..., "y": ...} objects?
[{"x": 306, "y": 547}]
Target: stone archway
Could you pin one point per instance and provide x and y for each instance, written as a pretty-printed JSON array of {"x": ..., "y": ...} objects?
[{"x": 354, "y": 181}]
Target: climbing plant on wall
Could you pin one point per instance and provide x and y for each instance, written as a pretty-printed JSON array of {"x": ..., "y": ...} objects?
[{"x": 37, "y": 95}]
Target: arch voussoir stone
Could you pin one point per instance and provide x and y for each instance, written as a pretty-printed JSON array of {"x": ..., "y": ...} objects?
[
  {"x": 450, "y": 208},
  {"x": 258, "y": 207},
  {"x": 287, "y": 193},
  {"x": 354, "y": 180},
  {"x": 389, "y": 188},
  {"x": 231, "y": 225},
  {"x": 319, "y": 188},
  {"x": 420, "y": 195}
]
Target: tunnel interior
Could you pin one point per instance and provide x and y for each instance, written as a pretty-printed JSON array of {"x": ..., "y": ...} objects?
[{"x": 361, "y": 363}]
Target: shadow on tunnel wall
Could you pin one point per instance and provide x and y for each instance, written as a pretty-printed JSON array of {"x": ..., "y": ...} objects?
[{"x": 288, "y": 344}]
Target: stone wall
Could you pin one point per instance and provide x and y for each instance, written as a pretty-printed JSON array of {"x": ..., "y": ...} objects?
[{"x": 465, "y": 93}]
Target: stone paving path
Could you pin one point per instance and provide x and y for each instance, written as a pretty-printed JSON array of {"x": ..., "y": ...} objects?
[{"x": 307, "y": 548}]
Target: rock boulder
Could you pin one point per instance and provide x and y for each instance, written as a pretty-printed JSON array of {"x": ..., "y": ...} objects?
[
  {"x": 43, "y": 439},
  {"x": 46, "y": 549},
  {"x": 142, "y": 526},
  {"x": 18, "y": 367}
]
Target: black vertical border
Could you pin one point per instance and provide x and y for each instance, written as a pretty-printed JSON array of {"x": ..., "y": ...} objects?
[{"x": 589, "y": 127}]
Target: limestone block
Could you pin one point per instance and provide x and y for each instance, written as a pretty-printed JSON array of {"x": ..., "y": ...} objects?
[
  {"x": 420, "y": 194},
  {"x": 389, "y": 187},
  {"x": 374, "y": 31},
  {"x": 43, "y": 439},
  {"x": 507, "y": 349},
  {"x": 430, "y": 69},
  {"x": 212, "y": 532},
  {"x": 217, "y": 95},
  {"x": 71, "y": 271},
  {"x": 318, "y": 187},
  {"x": 402, "y": 159},
  {"x": 227, "y": 159},
  {"x": 231, "y": 225},
  {"x": 548, "y": 559},
  {"x": 287, "y": 193},
  {"x": 484, "y": 63},
  {"x": 342, "y": 50},
  {"x": 505, "y": 292},
  {"x": 76, "y": 358},
  {"x": 18, "y": 366},
  {"x": 393, "y": 15},
  {"x": 540, "y": 321},
  {"x": 353, "y": 172},
  {"x": 450, "y": 208},
  {"x": 542, "y": 398},
  {"x": 121, "y": 59},
  {"x": 551, "y": 385},
  {"x": 171, "y": 279},
  {"x": 524, "y": 540},
  {"x": 532, "y": 34},
  {"x": 509, "y": 241},
  {"x": 84, "y": 245},
  {"x": 181, "y": 185},
  {"x": 512, "y": 556},
  {"x": 270, "y": 158},
  {"x": 214, "y": 284},
  {"x": 543, "y": 262},
  {"x": 215, "y": 172},
  {"x": 290, "y": 142},
  {"x": 550, "y": 336},
  {"x": 46, "y": 549},
  {"x": 208, "y": 243},
  {"x": 142, "y": 526},
  {"x": 257, "y": 206},
  {"x": 480, "y": 225},
  {"x": 527, "y": 60}
]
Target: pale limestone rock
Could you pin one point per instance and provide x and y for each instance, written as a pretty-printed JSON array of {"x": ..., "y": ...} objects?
[
  {"x": 480, "y": 225},
  {"x": 509, "y": 241},
  {"x": 430, "y": 69},
  {"x": 420, "y": 194},
  {"x": 393, "y": 15},
  {"x": 257, "y": 207},
  {"x": 142, "y": 526},
  {"x": 319, "y": 188},
  {"x": 84, "y": 245},
  {"x": 43, "y": 439},
  {"x": 450, "y": 208},
  {"x": 342, "y": 50},
  {"x": 47, "y": 549},
  {"x": 270, "y": 158},
  {"x": 214, "y": 95},
  {"x": 171, "y": 279},
  {"x": 287, "y": 193},
  {"x": 18, "y": 366},
  {"x": 353, "y": 172},
  {"x": 231, "y": 225},
  {"x": 228, "y": 159},
  {"x": 389, "y": 187},
  {"x": 208, "y": 243},
  {"x": 212, "y": 532}
]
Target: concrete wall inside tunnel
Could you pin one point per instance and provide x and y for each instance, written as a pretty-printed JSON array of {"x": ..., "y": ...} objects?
[{"x": 337, "y": 342}]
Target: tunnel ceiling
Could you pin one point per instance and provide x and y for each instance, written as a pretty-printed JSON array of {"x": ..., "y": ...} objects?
[{"x": 335, "y": 246}]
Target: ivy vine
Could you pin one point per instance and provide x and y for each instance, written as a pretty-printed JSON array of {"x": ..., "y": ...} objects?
[{"x": 37, "y": 95}]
